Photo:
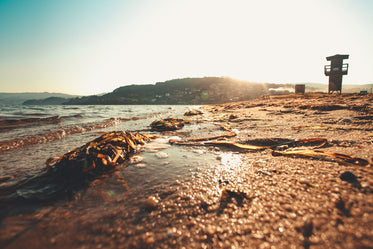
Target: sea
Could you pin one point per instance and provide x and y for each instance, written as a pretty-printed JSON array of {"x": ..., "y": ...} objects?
[{"x": 30, "y": 134}]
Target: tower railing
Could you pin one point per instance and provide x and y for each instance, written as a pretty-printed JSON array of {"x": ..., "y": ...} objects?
[
  {"x": 345, "y": 68},
  {"x": 328, "y": 69}
]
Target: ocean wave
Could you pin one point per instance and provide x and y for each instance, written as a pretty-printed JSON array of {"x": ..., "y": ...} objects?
[
  {"x": 56, "y": 134},
  {"x": 29, "y": 114},
  {"x": 9, "y": 124}
]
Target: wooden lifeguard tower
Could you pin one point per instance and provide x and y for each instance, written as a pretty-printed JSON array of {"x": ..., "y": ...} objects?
[{"x": 335, "y": 71}]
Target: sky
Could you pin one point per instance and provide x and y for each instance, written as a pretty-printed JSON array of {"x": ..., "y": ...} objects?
[{"x": 94, "y": 46}]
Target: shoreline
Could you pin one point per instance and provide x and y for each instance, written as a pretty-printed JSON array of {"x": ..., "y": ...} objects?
[{"x": 246, "y": 199}]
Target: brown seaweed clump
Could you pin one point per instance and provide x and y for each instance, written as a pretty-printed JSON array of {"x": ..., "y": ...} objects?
[
  {"x": 168, "y": 124},
  {"x": 73, "y": 170},
  {"x": 193, "y": 112},
  {"x": 99, "y": 155}
]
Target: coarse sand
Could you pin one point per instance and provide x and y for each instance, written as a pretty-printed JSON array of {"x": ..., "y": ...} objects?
[{"x": 244, "y": 198}]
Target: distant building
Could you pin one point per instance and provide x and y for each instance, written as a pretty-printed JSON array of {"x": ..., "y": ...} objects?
[{"x": 300, "y": 89}]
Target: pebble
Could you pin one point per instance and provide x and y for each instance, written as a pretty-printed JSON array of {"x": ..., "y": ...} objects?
[
  {"x": 210, "y": 230},
  {"x": 199, "y": 152},
  {"x": 346, "y": 120},
  {"x": 148, "y": 238},
  {"x": 151, "y": 203},
  {"x": 175, "y": 138},
  {"x": 140, "y": 165},
  {"x": 161, "y": 155},
  {"x": 348, "y": 177},
  {"x": 304, "y": 181},
  {"x": 170, "y": 232},
  {"x": 135, "y": 159}
]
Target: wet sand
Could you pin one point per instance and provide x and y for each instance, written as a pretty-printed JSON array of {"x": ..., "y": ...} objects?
[{"x": 242, "y": 199}]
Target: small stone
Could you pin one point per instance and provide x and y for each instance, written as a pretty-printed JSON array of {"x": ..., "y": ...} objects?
[
  {"x": 199, "y": 152},
  {"x": 140, "y": 165},
  {"x": 151, "y": 203},
  {"x": 135, "y": 159},
  {"x": 210, "y": 230},
  {"x": 171, "y": 232},
  {"x": 150, "y": 240},
  {"x": 348, "y": 177},
  {"x": 346, "y": 120},
  {"x": 304, "y": 181},
  {"x": 258, "y": 235},
  {"x": 161, "y": 155}
]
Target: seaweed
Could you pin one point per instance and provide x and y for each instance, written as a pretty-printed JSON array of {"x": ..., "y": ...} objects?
[
  {"x": 75, "y": 169},
  {"x": 168, "y": 124}
]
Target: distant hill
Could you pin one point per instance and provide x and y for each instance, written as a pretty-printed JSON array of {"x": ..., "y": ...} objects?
[
  {"x": 207, "y": 90},
  {"x": 47, "y": 101},
  {"x": 19, "y": 98}
]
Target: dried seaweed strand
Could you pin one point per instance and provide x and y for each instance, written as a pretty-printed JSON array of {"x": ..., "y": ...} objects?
[{"x": 326, "y": 155}]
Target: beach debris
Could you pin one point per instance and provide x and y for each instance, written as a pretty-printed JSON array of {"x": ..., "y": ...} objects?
[
  {"x": 226, "y": 127},
  {"x": 76, "y": 168},
  {"x": 306, "y": 182},
  {"x": 307, "y": 228},
  {"x": 315, "y": 142},
  {"x": 314, "y": 127},
  {"x": 140, "y": 165},
  {"x": 340, "y": 204},
  {"x": 168, "y": 124},
  {"x": 226, "y": 135},
  {"x": 325, "y": 155},
  {"x": 227, "y": 196},
  {"x": 281, "y": 148},
  {"x": 194, "y": 140},
  {"x": 270, "y": 144},
  {"x": 307, "y": 231},
  {"x": 346, "y": 120},
  {"x": 151, "y": 203},
  {"x": 161, "y": 155},
  {"x": 351, "y": 178},
  {"x": 324, "y": 107},
  {"x": 102, "y": 154},
  {"x": 135, "y": 159},
  {"x": 232, "y": 116},
  {"x": 193, "y": 112},
  {"x": 236, "y": 145},
  {"x": 348, "y": 177}
]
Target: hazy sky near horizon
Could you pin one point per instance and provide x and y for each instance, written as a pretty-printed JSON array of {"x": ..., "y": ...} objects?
[{"x": 95, "y": 46}]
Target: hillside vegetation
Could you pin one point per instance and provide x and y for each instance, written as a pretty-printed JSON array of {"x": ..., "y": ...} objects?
[{"x": 207, "y": 90}]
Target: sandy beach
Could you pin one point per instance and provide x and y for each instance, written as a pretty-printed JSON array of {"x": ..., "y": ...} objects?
[{"x": 256, "y": 194}]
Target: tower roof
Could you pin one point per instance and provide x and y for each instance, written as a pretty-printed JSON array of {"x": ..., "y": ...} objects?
[{"x": 338, "y": 57}]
